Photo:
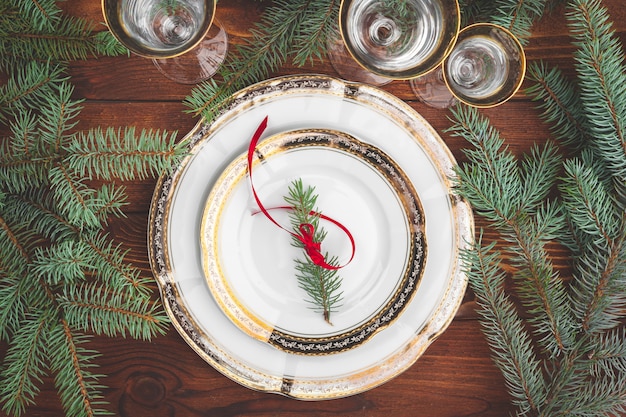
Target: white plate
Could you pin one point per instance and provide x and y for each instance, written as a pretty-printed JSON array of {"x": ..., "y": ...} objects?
[
  {"x": 248, "y": 260},
  {"x": 308, "y": 102}
]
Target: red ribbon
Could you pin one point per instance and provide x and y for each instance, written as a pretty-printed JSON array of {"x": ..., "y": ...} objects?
[{"x": 307, "y": 230}]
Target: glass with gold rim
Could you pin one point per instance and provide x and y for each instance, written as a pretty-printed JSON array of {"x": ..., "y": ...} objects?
[
  {"x": 400, "y": 39},
  {"x": 181, "y": 36},
  {"x": 485, "y": 69}
]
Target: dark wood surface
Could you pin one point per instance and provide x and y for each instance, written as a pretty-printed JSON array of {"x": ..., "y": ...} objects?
[{"x": 455, "y": 377}]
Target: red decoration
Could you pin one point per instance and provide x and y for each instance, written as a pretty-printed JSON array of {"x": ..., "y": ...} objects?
[{"x": 307, "y": 230}]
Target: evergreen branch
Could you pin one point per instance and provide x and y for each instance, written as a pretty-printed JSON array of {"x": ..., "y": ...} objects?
[
  {"x": 28, "y": 87},
  {"x": 78, "y": 387},
  {"x": 560, "y": 101},
  {"x": 62, "y": 263},
  {"x": 13, "y": 305},
  {"x": 511, "y": 345},
  {"x": 590, "y": 205},
  {"x": 518, "y": 16},
  {"x": 491, "y": 181},
  {"x": 123, "y": 154},
  {"x": 321, "y": 285},
  {"x": 44, "y": 14},
  {"x": 91, "y": 307},
  {"x": 316, "y": 30},
  {"x": 58, "y": 116},
  {"x": 283, "y": 31},
  {"x": 609, "y": 353},
  {"x": 74, "y": 199},
  {"x": 111, "y": 269},
  {"x": 69, "y": 39},
  {"x": 27, "y": 361},
  {"x": 601, "y": 76}
]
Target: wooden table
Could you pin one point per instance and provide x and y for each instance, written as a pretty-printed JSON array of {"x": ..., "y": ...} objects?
[{"x": 455, "y": 377}]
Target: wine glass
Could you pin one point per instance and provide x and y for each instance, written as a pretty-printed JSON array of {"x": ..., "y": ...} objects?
[
  {"x": 485, "y": 69},
  {"x": 181, "y": 36},
  {"x": 394, "y": 40}
]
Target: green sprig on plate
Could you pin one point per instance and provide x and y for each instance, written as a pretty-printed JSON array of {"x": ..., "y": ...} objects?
[{"x": 322, "y": 285}]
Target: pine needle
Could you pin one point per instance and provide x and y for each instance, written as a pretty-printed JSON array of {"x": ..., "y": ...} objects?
[{"x": 322, "y": 286}]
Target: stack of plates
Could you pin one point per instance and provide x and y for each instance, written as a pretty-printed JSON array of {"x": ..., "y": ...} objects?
[{"x": 227, "y": 276}]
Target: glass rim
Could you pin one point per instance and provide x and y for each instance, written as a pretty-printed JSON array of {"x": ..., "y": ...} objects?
[
  {"x": 109, "y": 10},
  {"x": 436, "y": 57},
  {"x": 511, "y": 88}
]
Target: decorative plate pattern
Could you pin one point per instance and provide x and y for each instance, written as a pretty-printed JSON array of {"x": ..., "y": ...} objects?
[
  {"x": 253, "y": 301},
  {"x": 309, "y": 102}
]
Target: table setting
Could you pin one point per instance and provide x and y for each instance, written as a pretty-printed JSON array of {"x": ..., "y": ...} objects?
[{"x": 278, "y": 208}]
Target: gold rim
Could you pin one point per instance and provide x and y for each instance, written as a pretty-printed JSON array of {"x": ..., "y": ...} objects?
[
  {"x": 303, "y": 387},
  {"x": 386, "y": 314},
  {"x": 507, "y": 91},
  {"x": 452, "y": 25},
  {"x": 110, "y": 10}
]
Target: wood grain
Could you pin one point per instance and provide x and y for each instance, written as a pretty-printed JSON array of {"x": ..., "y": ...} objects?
[{"x": 455, "y": 377}]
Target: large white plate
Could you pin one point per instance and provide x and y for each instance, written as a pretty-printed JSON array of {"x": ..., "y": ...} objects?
[
  {"x": 248, "y": 261},
  {"x": 307, "y": 102}
]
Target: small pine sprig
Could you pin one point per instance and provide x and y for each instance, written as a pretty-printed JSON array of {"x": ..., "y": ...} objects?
[{"x": 322, "y": 285}]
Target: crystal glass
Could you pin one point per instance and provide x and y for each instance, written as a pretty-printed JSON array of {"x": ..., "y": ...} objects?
[
  {"x": 179, "y": 35},
  {"x": 485, "y": 69},
  {"x": 400, "y": 39}
]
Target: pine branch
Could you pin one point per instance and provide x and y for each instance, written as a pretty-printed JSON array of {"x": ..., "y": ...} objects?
[
  {"x": 52, "y": 248},
  {"x": 50, "y": 37},
  {"x": 560, "y": 101},
  {"x": 505, "y": 331},
  {"x": 108, "y": 154},
  {"x": 601, "y": 77},
  {"x": 321, "y": 285},
  {"x": 28, "y": 87},
  {"x": 518, "y": 16},
  {"x": 27, "y": 361},
  {"x": 92, "y": 307},
  {"x": 44, "y": 14},
  {"x": 78, "y": 387},
  {"x": 288, "y": 28},
  {"x": 503, "y": 193}
]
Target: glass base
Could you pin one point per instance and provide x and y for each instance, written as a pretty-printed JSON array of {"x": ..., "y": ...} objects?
[
  {"x": 432, "y": 90},
  {"x": 200, "y": 63},
  {"x": 348, "y": 68}
]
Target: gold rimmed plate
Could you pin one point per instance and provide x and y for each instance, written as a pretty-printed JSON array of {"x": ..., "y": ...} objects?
[
  {"x": 309, "y": 102},
  {"x": 248, "y": 262}
]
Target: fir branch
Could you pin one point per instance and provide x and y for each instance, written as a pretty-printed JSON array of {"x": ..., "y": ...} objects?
[
  {"x": 285, "y": 30},
  {"x": 27, "y": 361},
  {"x": 91, "y": 307},
  {"x": 62, "y": 263},
  {"x": 110, "y": 266},
  {"x": 321, "y": 285},
  {"x": 44, "y": 14},
  {"x": 78, "y": 387},
  {"x": 505, "y": 331},
  {"x": 518, "y": 16},
  {"x": 51, "y": 217},
  {"x": 512, "y": 199},
  {"x": 75, "y": 200},
  {"x": 601, "y": 77},
  {"x": 28, "y": 87},
  {"x": 67, "y": 39},
  {"x": 560, "y": 101},
  {"x": 123, "y": 154}
]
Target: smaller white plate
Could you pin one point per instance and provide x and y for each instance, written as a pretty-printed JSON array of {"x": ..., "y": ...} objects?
[{"x": 249, "y": 262}]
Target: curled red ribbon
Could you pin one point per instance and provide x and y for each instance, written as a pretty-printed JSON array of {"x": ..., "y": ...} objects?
[{"x": 307, "y": 230}]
